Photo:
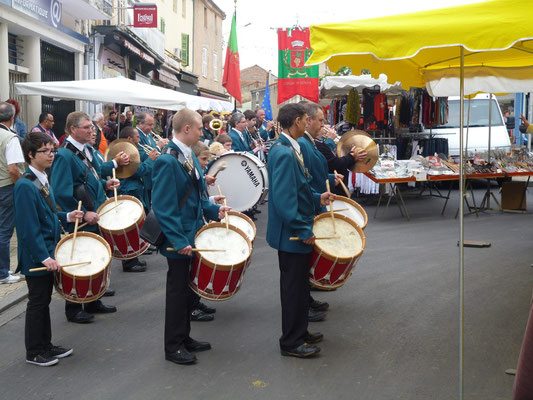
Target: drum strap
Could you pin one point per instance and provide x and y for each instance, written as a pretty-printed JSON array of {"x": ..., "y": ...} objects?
[
  {"x": 81, "y": 155},
  {"x": 42, "y": 189},
  {"x": 188, "y": 168},
  {"x": 298, "y": 157}
]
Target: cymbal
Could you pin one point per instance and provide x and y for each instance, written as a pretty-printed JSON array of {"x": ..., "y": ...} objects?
[
  {"x": 361, "y": 140},
  {"x": 115, "y": 147}
]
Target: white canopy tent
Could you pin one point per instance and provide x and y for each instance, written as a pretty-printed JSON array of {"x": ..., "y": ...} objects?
[
  {"x": 121, "y": 90},
  {"x": 333, "y": 86}
]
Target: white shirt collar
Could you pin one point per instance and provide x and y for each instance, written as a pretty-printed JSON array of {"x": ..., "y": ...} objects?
[
  {"x": 294, "y": 143},
  {"x": 186, "y": 150},
  {"x": 40, "y": 175},
  {"x": 81, "y": 147}
]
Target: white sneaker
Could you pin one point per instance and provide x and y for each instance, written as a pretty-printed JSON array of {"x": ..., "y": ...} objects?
[{"x": 10, "y": 279}]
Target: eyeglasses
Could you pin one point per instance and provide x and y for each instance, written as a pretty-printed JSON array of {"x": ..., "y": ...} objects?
[
  {"x": 86, "y": 127},
  {"x": 46, "y": 152}
]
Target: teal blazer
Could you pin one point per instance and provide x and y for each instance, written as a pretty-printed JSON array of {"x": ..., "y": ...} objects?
[
  {"x": 331, "y": 144},
  {"x": 103, "y": 167},
  {"x": 264, "y": 134},
  {"x": 147, "y": 140},
  {"x": 68, "y": 171},
  {"x": 135, "y": 185},
  {"x": 292, "y": 202},
  {"x": 237, "y": 144},
  {"x": 317, "y": 165},
  {"x": 37, "y": 226},
  {"x": 170, "y": 185}
]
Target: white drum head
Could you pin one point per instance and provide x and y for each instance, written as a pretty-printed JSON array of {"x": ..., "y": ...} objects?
[
  {"x": 242, "y": 182},
  {"x": 86, "y": 248},
  {"x": 242, "y": 224},
  {"x": 347, "y": 243},
  {"x": 122, "y": 216},
  {"x": 353, "y": 213},
  {"x": 235, "y": 246}
]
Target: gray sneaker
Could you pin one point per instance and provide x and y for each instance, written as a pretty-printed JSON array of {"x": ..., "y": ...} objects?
[{"x": 10, "y": 279}]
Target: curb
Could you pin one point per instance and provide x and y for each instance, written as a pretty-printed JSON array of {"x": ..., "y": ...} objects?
[{"x": 13, "y": 298}]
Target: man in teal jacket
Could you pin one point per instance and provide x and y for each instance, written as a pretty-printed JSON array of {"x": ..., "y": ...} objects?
[
  {"x": 75, "y": 177},
  {"x": 240, "y": 141},
  {"x": 38, "y": 231},
  {"x": 292, "y": 206},
  {"x": 180, "y": 207}
]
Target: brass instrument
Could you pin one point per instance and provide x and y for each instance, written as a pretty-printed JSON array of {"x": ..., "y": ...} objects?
[
  {"x": 216, "y": 125},
  {"x": 148, "y": 149},
  {"x": 359, "y": 140},
  {"x": 156, "y": 136},
  {"x": 118, "y": 145}
]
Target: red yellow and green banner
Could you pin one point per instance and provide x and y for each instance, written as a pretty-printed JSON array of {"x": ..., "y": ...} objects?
[
  {"x": 232, "y": 70},
  {"x": 294, "y": 78}
]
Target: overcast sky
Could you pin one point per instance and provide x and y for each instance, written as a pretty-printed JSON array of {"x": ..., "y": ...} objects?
[{"x": 258, "y": 41}]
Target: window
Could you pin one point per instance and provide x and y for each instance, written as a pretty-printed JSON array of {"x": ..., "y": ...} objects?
[
  {"x": 215, "y": 66},
  {"x": 175, "y": 6},
  {"x": 184, "y": 8},
  {"x": 205, "y": 17},
  {"x": 162, "y": 28},
  {"x": 185, "y": 49},
  {"x": 204, "y": 62}
]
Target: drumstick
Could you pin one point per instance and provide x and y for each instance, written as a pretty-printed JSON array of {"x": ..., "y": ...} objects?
[
  {"x": 340, "y": 209},
  {"x": 331, "y": 208},
  {"x": 344, "y": 186},
  {"x": 104, "y": 213},
  {"x": 62, "y": 266},
  {"x": 295, "y": 238},
  {"x": 225, "y": 212},
  {"x": 222, "y": 167},
  {"x": 115, "y": 188},
  {"x": 75, "y": 231},
  {"x": 195, "y": 250}
]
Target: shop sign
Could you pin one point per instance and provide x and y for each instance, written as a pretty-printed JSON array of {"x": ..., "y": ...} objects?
[
  {"x": 47, "y": 11},
  {"x": 139, "y": 52},
  {"x": 145, "y": 15}
]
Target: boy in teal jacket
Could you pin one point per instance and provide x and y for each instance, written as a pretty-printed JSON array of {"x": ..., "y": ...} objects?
[
  {"x": 38, "y": 231},
  {"x": 180, "y": 206},
  {"x": 292, "y": 205}
]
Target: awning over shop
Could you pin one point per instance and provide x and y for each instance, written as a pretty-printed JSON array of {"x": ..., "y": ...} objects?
[
  {"x": 167, "y": 77},
  {"x": 121, "y": 90}
]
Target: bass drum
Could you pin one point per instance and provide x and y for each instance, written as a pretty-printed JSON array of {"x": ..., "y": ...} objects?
[{"x": 244, "y": 182}]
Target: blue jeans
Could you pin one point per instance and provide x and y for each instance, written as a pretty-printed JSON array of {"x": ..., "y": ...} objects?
[{"x": 7, "y": 224}]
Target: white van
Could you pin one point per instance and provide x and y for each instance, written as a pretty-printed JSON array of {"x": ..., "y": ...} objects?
[{"x": 478, "y": 131}]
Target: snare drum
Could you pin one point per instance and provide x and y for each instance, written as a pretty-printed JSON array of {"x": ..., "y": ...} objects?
[
  {"x": 120, "y": 226},
  {"x": 244, "y": 182},
  {"x": 243, "y": 222},
  {"x": 87, "y": 282},
  {"x": 333, "y": 260},
  {"x": 350, "y": 209},
  {"x": 219, "y": 275}
]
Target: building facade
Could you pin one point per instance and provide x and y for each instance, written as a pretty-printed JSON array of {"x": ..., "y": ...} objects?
[{"x": 208, "y": 48}]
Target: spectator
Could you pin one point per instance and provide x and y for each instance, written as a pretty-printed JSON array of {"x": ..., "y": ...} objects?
[
  {"x": 101, "y": 141},
  {"x": 129, "y": 119},
  {"x": 158, "y": 124},
  {"x": 19, "y": 126},
  {"x": 11, "y": 169},
  {"x": 46, "y": 123},
  {"x": 110, "y": 128}
]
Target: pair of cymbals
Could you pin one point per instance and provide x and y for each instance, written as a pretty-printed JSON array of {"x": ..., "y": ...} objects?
[
  {"x": 118, "y": 145},
  {"x": 359, "y": 140}
]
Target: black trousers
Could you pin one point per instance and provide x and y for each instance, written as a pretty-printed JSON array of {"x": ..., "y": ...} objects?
[
  {"x": 294, "y": 288},
  {"x": 179, "y": 303},
  {"x": 38, "y": 330}
]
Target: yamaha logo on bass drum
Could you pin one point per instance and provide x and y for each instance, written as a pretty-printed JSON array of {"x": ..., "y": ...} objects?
[{"x": 250, "y": 173}]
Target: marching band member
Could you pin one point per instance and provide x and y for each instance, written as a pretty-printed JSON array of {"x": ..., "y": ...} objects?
[
  {"x": 239, "y": 139},
  {"x": 226, "y": 141},
  {"x": 38, "y": 232},
  {"x": 291, "y": 208},
  {"x": 257, "y": 145},
  {"x": 74, "y": 177},
  {"x": 180, "y": 207}
]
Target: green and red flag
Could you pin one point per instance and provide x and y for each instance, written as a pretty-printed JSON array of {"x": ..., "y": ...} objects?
[
  {"x": 294, "y": 77},
  {"x": 232, "y": 70}
]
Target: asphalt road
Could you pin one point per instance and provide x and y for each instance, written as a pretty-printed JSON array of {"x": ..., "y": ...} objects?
[{"x": 391, "y": 332}]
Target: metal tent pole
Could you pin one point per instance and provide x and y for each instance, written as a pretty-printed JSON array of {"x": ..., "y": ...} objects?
[{"x": 461, "y": 225}]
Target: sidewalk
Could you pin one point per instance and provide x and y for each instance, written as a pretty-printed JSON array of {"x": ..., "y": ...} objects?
[{"x": 13, "y": 293}]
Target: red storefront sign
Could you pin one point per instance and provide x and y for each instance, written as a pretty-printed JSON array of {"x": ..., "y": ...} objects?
[{"x": 145, "y": 15}]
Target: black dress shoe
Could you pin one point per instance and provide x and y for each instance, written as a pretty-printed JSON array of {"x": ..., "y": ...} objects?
[
  {"x": 199, "y": 315},
  {"x": 302, "y": 351},
  {"x": 81, "y": 317},
  {"x": 134, "y": 268},
  {"x": 257, "y": 211},
  {"x": 312, "y": 338},
  {"x": 316, "y": 316},
  {"x": 319, "y": 305},
  {"x": 152, "y": 248},
  {"x": 147, "y": 252},
  {"x": 100, "y": 308},
  {"x": 195, "y": 345},
  {"x": 109, "y": 293},
  {"x": 182, "y": 356},
  {"x": 141, "y": 262},
  {"x": 205, "y": 308}
]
